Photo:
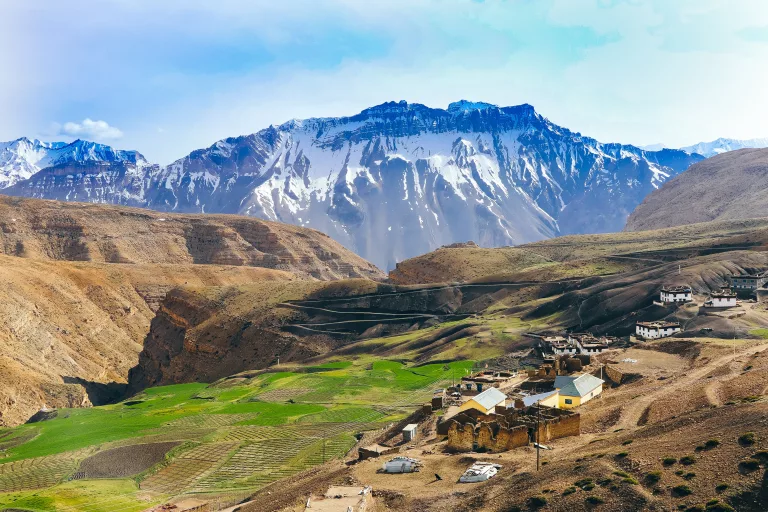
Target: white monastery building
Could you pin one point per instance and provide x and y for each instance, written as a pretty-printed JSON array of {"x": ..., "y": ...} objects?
[
  {"x": 655, "y": 330},
  {"x": 722, "y": 299},
  {"x": 672, "y": 294}
]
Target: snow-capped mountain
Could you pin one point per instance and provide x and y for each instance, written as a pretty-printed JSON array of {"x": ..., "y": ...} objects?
[
  {"x": 723, "y": 145},
  {"x": 396, "y": 180},
  {"x": 22, "y": 158}
]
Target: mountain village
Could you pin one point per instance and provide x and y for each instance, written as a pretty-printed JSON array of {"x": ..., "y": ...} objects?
[{"x": 496, "y": 410}]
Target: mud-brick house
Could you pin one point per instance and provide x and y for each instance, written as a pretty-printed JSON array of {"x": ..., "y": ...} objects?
[
  {"x": 486, "y": 401},
  {"x": 674, "y": 294},
  {"x": 722, "y": 299},
  {"x": 655, "y": 330},
  {"x": 577, "y": 390}
]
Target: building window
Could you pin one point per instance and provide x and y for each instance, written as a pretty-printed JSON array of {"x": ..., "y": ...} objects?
[{"x": 568, "y": 401}]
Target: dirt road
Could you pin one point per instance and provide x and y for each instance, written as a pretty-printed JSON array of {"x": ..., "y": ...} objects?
[{"x": 631, "y": 413}]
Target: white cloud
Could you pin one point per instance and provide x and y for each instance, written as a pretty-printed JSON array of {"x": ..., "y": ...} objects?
[
  {"x": 90, "y": 129},
  {"x": 184, "y": 73}
]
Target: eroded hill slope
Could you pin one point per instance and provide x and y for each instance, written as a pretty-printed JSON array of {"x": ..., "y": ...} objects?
[
  {"x": 69, "y": 329},
  {"x": 54, "y": 230},
  {"x": 725, "y": 187}
]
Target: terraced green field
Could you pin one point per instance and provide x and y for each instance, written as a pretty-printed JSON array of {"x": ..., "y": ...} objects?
[{"x": 237, "y": 435}]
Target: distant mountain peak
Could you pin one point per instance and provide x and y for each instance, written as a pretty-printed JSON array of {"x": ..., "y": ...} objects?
[
  {"x": 466, "y": 105},
  {"x": 20, "y": 159},
  {"x": 724, "y": 144}
]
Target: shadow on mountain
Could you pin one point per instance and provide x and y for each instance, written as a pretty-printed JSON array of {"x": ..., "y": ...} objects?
[{"x": 98, "y": 392}]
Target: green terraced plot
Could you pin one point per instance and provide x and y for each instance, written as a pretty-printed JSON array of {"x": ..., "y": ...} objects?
[
  {"x": 247, "y": 433},
  {"x": 212, "y": 420},
  {"x": 83, "y": 496},
  {"x": 37, "y": 473}
]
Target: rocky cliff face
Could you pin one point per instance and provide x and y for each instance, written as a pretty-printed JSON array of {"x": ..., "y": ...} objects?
[
  {"x": 100, "y": 233},
  {"x": 394, "y": 181},
  {"x": 70, "y": 331},
  {"x": 206, "y": 333}
]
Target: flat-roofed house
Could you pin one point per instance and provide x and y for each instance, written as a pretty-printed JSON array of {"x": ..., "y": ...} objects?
[
  {"x": 748, "y": 281},
  {"x": 589, "y": 344},
  {"x": 722, "y": 299},
  {"x": 409, "y": 432},
  {"x": 577, "y": 390},
  {"x": 486, "y": 401},
  {"x": 655, "y": 330},
  {"x": 673, "y": 294}
]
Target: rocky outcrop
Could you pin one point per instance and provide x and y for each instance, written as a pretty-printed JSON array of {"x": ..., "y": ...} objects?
[{"x": 201, "y": 335}]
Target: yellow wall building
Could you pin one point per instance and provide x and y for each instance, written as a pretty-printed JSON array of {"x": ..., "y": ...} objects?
[
  {"x": 547, "y": 399},
  {"x": 486, "y": 401},
  {"x": 577, "y": 390}
]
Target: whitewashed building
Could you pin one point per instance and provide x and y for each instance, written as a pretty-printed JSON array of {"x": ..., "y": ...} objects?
[
  {"x": 673, "y": 294},
  {"x": 722, "y": 299},
  {"x": 655, "y": 330},
  {"x": 588, "y": 344}
]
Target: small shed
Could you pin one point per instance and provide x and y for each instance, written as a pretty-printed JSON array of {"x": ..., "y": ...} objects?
[{"x": 409, "y": 432}]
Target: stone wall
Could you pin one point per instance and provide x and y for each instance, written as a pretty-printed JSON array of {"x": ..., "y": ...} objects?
[
  {"x": 613, "y": 374},
  {"x": 510, "y": 438},
  {"x": 487, "y": 436},
  {"x": 461, "y": 437},
  {"x": 564, "y": 426},
  {"x": 513, "y": 429}
]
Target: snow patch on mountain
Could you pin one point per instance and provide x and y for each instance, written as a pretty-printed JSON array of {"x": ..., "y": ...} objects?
[
  {"x": 723, "y": 145},
  {"x": 22, "y": 158},
  {"x": 475, "y": 171}
]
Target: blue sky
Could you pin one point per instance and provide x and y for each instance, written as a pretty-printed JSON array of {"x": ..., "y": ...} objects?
[{"x": 166, "y": 77}]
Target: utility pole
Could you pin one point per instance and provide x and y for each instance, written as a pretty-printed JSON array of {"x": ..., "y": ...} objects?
[{"x": 538, "y": 443}]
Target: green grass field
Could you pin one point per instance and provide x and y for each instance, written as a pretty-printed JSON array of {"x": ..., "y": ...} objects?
[{"x": 236, "y": 436}]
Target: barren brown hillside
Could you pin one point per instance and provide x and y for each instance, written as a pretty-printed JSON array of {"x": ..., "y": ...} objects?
[
  {"x": 725, "y": 187},
  {"x": 67, "y": 329},
  {"x": 55, "y": 230},
  {"x": 581, "y": 255}
]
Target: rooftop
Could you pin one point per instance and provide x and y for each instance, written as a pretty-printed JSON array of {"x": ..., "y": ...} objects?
[
  {"x": 532, "y": 399},
  {"x": 677, "y": 289},
  {"x": 757, "y": 275},
  {"x": 490, "y": 398},
  {"x": 658, "y": 325},
  {"x": 577, "y": 386}
]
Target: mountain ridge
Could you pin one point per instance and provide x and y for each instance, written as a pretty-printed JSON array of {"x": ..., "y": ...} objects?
[{"x": 395, "y": 180}]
